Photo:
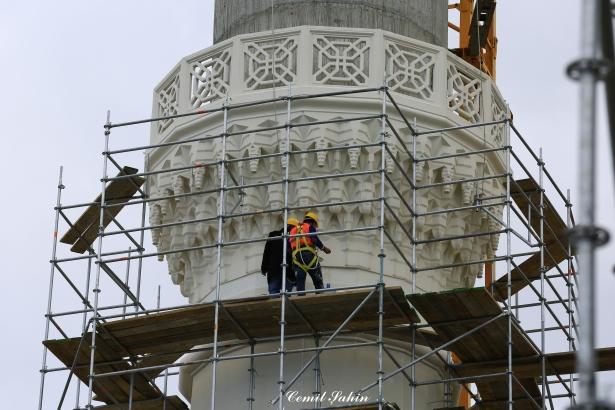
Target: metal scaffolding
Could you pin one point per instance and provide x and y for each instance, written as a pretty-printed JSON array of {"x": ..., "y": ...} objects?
[{"x": 553, "y": 299}]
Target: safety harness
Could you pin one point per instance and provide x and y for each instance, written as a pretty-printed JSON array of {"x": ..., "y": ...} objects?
[{"x": 301, "y": 244}]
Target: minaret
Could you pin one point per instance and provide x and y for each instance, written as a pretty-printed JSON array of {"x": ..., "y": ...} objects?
[{"x": 306, "y": 47}]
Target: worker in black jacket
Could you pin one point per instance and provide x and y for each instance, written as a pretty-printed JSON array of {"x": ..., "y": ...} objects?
[{"x": 271, "y": 265}]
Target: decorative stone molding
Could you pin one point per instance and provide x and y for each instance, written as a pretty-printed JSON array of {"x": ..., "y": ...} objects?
[
  {"x": 341, "y": 60},
  {"x": 270, "y": 63},
  {"x": 410, "y": 70},
  {"x": 210, "y": 77},
  {"x": 194, "y": 271},
  {"x": 313, "y": 58},
  {"x": 168, "y": 101}
]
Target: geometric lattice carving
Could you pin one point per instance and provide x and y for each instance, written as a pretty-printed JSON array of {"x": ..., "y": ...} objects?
[
  {"x": 270, "y": 63},
  {"x": 463, "y": 94},
  {"x": 340, "y": 60},
  {"x": 209, "y": 78},
  {"x": 410, "y": 71},
  {"x": 168, "y": 102},
  {"x": 499, "y": 113}
]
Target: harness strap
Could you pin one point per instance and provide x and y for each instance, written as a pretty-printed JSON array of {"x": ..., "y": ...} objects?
[{"x": 301, "y": 246}]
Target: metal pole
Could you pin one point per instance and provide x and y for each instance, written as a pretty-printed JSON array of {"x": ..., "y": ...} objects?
[
  {"x": 50, "y": 293},
  {"x": 448, "y": 389},
  {"x": 131, "y": 390},
  {"x": 165, "y": 388},
  {"x": 221, "y": 198},
  {"x": 413, "y": 267},
  {"x": 569, "y": 288},
  {"x": 142, "y": 235},
  {"x": 382, "y": 255},
  {"x": 252, "y": 371},
  {"x": 84, "y": 324},
  {"x": 317, "y": 377},
  {"x": 508, "y": 265},
  {"x": 285, "y": 261},
  {"x": 586, "y": 71},
  {"x": 96, "y": 290},
  {"x": 541, "y": 166},
  {"x": 127, "y": 281}
]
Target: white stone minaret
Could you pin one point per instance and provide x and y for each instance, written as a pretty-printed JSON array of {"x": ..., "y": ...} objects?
[{"x": 311, "y": 47}]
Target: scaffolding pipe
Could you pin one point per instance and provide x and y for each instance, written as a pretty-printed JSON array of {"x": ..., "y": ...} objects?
[
  {"x": 543, "y": 368},
  {"x": 381, "y": 254},
  {"x": 509, "y": 311},
  {"x": 96, "y": 290},
  {"x": 54, "y": 247},
  {"x": 281, "y": 383},
  {"x": 586, "y": 232},
  {"x": 222, "y": 171},
  {"x": 413, "y": 268}
]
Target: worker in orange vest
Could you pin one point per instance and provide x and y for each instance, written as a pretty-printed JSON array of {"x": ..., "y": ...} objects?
[{"x": 305, "y": 253}]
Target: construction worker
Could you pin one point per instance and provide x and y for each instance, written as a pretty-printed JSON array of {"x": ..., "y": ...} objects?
[
  {"x": 271, "y": 266},
  {"x": 304, "y": 251}
]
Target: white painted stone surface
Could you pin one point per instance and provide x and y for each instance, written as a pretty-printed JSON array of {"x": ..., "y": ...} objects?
[{"x": 432, "y": 86}]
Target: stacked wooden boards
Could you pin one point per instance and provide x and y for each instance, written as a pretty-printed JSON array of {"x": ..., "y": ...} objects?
[
  {"x": 457, "y": 313},
  {"x": 117, "y": 193},
  {"x": 526, "y": 195},
  {"x": 556, "y": 363},
  {"x": 168, "y": 403},
  {"x": 161, "y": 338}
]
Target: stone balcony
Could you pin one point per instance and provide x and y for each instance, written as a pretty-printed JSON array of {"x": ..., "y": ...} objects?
[{"x": 428, "y": 78}]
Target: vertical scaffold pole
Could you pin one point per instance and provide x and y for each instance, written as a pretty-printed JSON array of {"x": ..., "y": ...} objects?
[
  {"x": 252, "y": 371},
  {"x": 221, "y": 198},
  {"x": 569, "y": 282},
  {"x": 142, "y": 233},
  {"x": 543, "y": 270},
  {"x": 586, "y": 233},
  {"x": 165, "y": 389},
  {"x": 381, "y": 256},
  {"x": 126, "y": 282},
  {"x": 84, "y": 322},
  {"x": 282, "y": 350},
  {"x": 96, "y": 289},
  {"x": 413, "y": 267},
  {"x": 51, "y": 280},
  {"x": 317, "y": 376},
  {"x": 509, "y": 263}
]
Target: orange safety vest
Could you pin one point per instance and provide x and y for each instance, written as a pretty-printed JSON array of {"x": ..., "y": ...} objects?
[
  {"x": 302, "y": 241},
  {"x": 300, "y": 244}
]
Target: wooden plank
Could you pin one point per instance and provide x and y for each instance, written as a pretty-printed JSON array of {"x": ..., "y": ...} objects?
[
  {"x": 107, "y": 359},
  {"x": 457, "y": 312},
  {"x": 557, "y": 363},
  {"x": 172, "y": 403},
  {"x": 531, "y": 269},
  {"x": 531, "y": 189},
  {"x": 525, "y": 192},
  {"x": 163, "y": 337},
  {"x": 85, "y": 230},
  {"x": 454, "y": 313},
  {"x": 147, "y": 334}
]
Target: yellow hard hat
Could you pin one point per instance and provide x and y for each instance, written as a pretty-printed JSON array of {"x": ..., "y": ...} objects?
[
  {"x": 292, "y": 221},
  {"x": 312, "y": 216}
]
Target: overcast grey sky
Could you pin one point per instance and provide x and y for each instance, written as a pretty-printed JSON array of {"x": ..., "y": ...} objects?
[{"x": 64, "y": 63}]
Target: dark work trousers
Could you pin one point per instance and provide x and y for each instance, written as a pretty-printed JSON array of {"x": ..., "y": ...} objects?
[
  {"x": 315, "y": 273},
  {"x": 275, "y": 284}
]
